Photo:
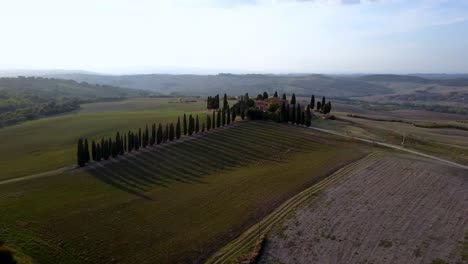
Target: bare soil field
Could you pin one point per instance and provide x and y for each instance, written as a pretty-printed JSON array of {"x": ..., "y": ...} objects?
[{"x": 392, "y": 209}]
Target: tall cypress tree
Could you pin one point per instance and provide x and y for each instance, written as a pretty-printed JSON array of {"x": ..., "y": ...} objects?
[
  {"x": 153, "y": 135},
  {"x": 86, "y": 151},
  {"x": 98, "y": 152},
  {"x": 166, "y": 133},
  {"x": 103, "y": 148},
  {"x": 185, "y": 124},
  {"x": 312, "y": 101},
  {"x": 298, "y": 114},
  {"x": 125, "y": 143},
  {"x": 276, "y": 94},
  {"x": 322, "y": 105},
  {"x": 233, "y": 116},
  {"x": 213, "y": 124},
  {"x": 135, "y": 143},
  {"x": 284, "y": 97},
  {"x": 197, "y": 124},
  {"x": 319, "y": 106},
  {"x": 228, "y": 116},
  {"x": 93, "y": 150},
  {"x": 80, "y": 153},
  {"x": 293, "y": 99},
  {"x": 129, "y": 142},
  {"x": 159, "y": 134},
  {"x": 283, "y": 112},
  {"x": 208, "y": 122},
  {"x": 218, "y": 119},
  {"x": 146, "y": 139},
  {"x": 225, "y": 102},
  {"x": 203, "y": 127},
  {"x": 308, "y": 116},
  {"x": 171, "y": 132},
  {"x": 178, "y": 128},
  {"x": 293, "y": 114},
  {"x": 223, "y": 117},
  {"x": 287, "y": 115},
  {"x": 140, "y": 139},
  {"x": 190, "y": 125}
]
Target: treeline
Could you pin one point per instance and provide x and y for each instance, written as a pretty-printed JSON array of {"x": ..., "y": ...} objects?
[
  {"x": 110, "y": 147},
  {"x": 212, "y": 102}
]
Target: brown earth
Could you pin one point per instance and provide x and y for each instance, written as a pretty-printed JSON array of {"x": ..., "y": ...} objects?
[{"x": 394, "y": 209}]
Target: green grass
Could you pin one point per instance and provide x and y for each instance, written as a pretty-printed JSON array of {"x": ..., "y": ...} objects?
[
  {"x": 50, "y": 143},
  {"x": 176, "y": 203}
]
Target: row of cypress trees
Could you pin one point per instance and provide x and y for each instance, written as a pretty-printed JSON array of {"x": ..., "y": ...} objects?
[{"x": 132, "y": 141}]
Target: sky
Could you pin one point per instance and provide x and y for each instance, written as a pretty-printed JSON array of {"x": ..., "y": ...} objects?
[{"x": 243, "y": 36}]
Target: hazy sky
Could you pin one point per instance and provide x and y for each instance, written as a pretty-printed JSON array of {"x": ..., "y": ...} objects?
[{"x": 210, "y": 36}]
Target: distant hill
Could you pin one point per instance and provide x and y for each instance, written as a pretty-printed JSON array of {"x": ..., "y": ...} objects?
[
  {"x": 26, "y": 98},
  {"x": 392, "y": 78},
  {"x": 235, "y": 84}
]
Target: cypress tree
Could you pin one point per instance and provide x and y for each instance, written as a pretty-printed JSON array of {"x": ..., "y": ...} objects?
[
  {"x": 146, "y": 139},
  {"x": 293, "y": 99},
  {"x": 218, "y": 119},
  {"x": 223, "y": 117},
  {"x": 283, "y": 112},
  {"x": 166, "y": 133},
  {"x": 284, "y": 97},
  {"x": 217, "y": 101},
  {"x": 114, "y": 149},
  {"x": 308, "y": 116},
  {"x": 213, "y": 124},
  {"x": 185, "y": 124},
  {"x": 135, "y": 143},
  {"x": 322, "y": 104},
  {"x": 178, "y": 128},
  {"x": 98, "y": 152},
  {"x": 153, "y": 135},
  {"x": 93, "y": 150},
  {"x": 125, "y": 143},
  {"x": 293, "y": 114},
  {"x": 225, "y": 102},
  {"x": 287, "y": 113},
  {"x": 228, "y": 116},
  {"x": 233, "y": 116},
  {"x": 103, "y": 148},
  {"x": 159, "y": 135},
  {"x": 312, "y": 101},
  {"x": 319, "y": 106},
  {"x": 129, "y": 142},
  {"x": 190, "y": 125},
  {"x": 208, "y": 122},
  {"x": 140, "y": 141},
  {"x": 242, "y": 113},
  {"x": 276, "y": 94},
  {"x": 298, "y": 114},
  {"x": 80, "y": 153},
  {"x": 86, "y": 151},
  {"x": 265, "y": 95},
  {"x": 171, "y": 132},
  {"x": 203, "y": 127},
  {"x": 197, "y": 125}
]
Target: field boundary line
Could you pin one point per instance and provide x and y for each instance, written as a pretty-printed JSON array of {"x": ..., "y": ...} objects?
[
  {"x": 249, "y": 237},
  {"x": 448, "y": 162}
]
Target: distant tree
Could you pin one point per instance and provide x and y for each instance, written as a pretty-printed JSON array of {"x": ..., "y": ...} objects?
[
  {"x": 283, "y": 117},
  {"x": 276, "y": 94},
  {"x": 242, "y": 113},
  {"x": 208, "y": 122},
  {"x": 80, "y": 156},
  {"x": 136, "y": 144},
  {"x": 153, "y": 135},
  {"x": 125, "y": 143},
  {"x": 177, "y": 132},
  {"x": 259, "y": 97},
  {"x": 213, "y": 120},
  {"x": 171, "y": 132},
  {"x": 185, "y": 125},
  {"x": 159, "y": 134},
  {"x": 130, "y": 141},
  {"x": 298, "y": 114},
  {"x": 308, "y": 116},
  {"x": 322, "y": 104},
  {"x": 166, "y": 133},
  {"x": 113, "y": 148},
  {"x": 103, "y": 148},
  {"x": 218, "y": 119},
  {"x": 197, "y": 125},
  {"x": 288, "y": 114},
  {"x": 284, "y": 97},
  {"x": 233, "y": 119},
  {"x": 293, "y": 99},
  {"x": 223, "y": 117},
  {"x": 225, "y": 102},
  {"x": 93, "y": 150},
  {"x": 265, "y": 95},
  {"x": 98, "y": 152},
  {"x": 293, "y": 114},
  {"x": 146, "y": 139},
  {"x": 203, "y": 127},
  {"x": 191, "y": 125},
  {"x": 312, "y": 101},
  {"x": 86, "y": 151},
  {"x": 140, "y": 139},
  {"x": 319, "y": 106},
  {"x": 217, "y": 102},
  {"x": 228, "y": 116}
]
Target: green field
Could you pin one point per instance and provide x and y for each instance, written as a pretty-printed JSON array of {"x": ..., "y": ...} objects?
[
  {"x": 179, "y": 202},
  {"x": 50, "y": 143}
]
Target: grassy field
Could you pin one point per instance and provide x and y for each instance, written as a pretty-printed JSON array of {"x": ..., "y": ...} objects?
[
  {"x": 170, "y": 204},
  {"x": 49, "y": 143}
]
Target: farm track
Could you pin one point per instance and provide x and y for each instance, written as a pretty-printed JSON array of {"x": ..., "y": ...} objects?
[{"x": 248, "y": 238}]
